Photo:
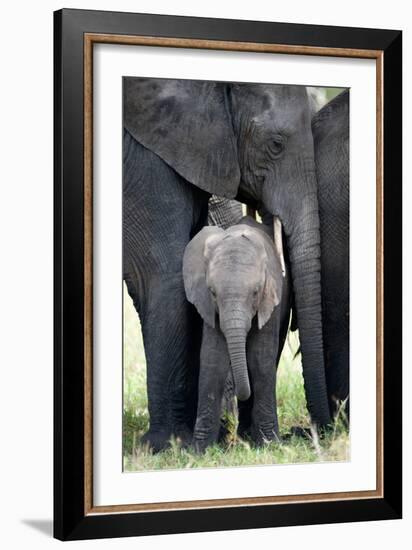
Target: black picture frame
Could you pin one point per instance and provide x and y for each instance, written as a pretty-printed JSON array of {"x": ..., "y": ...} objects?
[{"x": 71, "y": 522}]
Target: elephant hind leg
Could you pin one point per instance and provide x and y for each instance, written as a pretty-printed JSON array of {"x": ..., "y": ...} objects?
[
  {"x": 262, "y": 354},
  {"x": 245, "y": 418}
]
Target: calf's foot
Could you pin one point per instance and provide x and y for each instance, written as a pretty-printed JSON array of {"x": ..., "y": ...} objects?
[{"x": 263, "y": 435}]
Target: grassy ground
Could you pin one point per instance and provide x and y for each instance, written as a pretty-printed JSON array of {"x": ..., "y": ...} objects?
[{"x": 235, "y": 452}]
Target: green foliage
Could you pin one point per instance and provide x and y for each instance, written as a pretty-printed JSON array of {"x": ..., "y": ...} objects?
[
  {"x": 332, "y": 92},
  {"x": 293, "y": 418}
]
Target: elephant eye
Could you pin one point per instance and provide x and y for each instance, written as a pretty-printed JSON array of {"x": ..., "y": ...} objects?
[
  {"x": 277, "y": 145},
  {"x": 212, "y": 291}
]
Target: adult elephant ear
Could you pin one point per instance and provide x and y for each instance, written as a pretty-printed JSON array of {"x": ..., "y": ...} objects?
[
  {"x": 187, "y": 123},
  {"x": 195, "y": 261}
]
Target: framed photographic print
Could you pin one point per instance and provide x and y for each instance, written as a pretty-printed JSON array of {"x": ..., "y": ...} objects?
[{"x": 227, "y": 274}]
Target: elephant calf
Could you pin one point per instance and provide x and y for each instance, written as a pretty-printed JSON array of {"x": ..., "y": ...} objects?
[{"x": 236, "y": 280}]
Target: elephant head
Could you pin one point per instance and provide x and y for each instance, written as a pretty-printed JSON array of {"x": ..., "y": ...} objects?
[
  {"x": 252, "y": 142},
  {"x": 210, "y": 261}
]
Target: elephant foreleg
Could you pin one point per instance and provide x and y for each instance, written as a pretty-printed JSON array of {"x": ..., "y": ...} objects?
[
  {"x": 262, "y": 353},
  {"x": 168, "y": 323},
  {"x": 161, "y": 212},
  {"x": 214, "y": 367}
]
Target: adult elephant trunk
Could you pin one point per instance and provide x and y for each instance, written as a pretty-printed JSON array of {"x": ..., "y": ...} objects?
[
  {"x": 236, "y": 343},
  {"x": 303, "y": 239}
]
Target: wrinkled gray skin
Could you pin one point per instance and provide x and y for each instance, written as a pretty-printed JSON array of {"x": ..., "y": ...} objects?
[
  {"x": 331, "y": 139},
  {"x": 223, "y": 212},
  {"x": 234, "y": 278},
  {"x": 186, "y": 140}
]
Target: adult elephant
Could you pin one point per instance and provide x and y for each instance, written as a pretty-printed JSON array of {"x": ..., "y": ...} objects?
[
  {"x": 331, "y": 139},
  {"x": 185, "y": 140}
]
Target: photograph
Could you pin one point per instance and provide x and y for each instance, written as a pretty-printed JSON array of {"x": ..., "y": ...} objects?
[{"x": 235, "y": 237}]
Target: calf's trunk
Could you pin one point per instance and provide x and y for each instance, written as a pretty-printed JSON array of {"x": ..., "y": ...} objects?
[{"x": 236, "y": 343}]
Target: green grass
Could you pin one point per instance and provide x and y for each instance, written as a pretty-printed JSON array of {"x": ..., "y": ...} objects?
[
  {"x": 333, "y": 92},
  {"x": 334, "y": 446}
]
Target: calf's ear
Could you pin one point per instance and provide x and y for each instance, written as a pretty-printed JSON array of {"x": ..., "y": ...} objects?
[{"x": 194, "y": 272}]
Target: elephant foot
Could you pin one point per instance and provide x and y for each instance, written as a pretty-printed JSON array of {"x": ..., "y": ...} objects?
[
  {"x": 156, "y": 441},
  {"x": 183, "y": 435},
  {"x": 199, "y": 445},
  {"x": 261, "y": 437},
  {"x": 298, "y": 431}
]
